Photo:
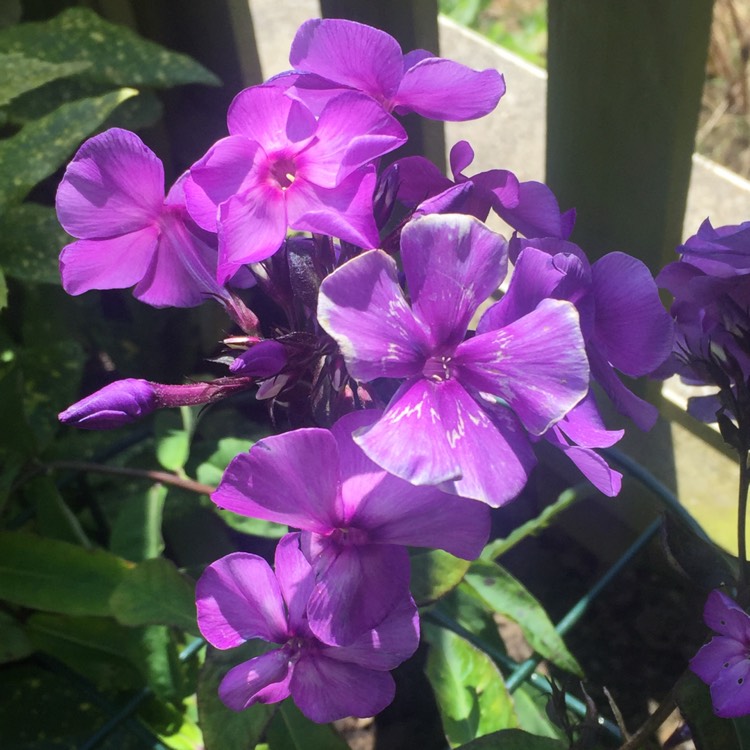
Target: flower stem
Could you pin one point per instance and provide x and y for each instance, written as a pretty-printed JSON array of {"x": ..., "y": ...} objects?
[
  {"x": 162, "y": 477},
  {"x": 742, "y": 521}
]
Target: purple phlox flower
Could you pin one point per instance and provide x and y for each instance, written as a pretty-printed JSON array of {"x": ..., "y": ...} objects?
[
  {"x": 459, "y": 419},
  {"x": 331, "y": 53},
  {"x": 111, "y": 199},
  {"x": 239, "y": 598},
  {"x": 724, "y": 662},
  {"x": 712, "y": 319},
  {"x": 567, "y": 276},
  {"x": 355, "y": 519},
  {"x": 529, "y": 207},
  {"x": 128, "y": 400},
  {"x": 282, "y": 168},
  {"x": 721, "y": 251},
  {"x": 625, "y": 325}
]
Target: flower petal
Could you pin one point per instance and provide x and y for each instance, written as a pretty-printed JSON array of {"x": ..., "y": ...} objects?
[
  {"x": 536, "y": 364},
  {"x": 228, "y": 168},
  {"x": 290, "y": 478},
  {"x": 114, "y": 185},
  {"x": 252, "y": 226},
  {"x": 238, "y": 598},
  {"x": 387, "y": 645},
  {"x": 353, "y": 130},
  {"x": 730, "y": 691},
  {"x": 345, "y": 211},
  {"x": 362, "y": 307},
  {"x": 327, "y": 690},
  {"x": 396, "y": 512},
  {"x": 357, "y": 587},
  {"x": 264, "y": 679},
  {"x": 726, "y": 617},
  {"x": 714, "y": 657},
  {"x": 350, "y": 53},
  {"x": 265, "y": 115},
  {"x": 589, "y": 462},
  {"x": 537, "y": 213},
  {"x": 452, "y": 264},
  {"x": 115, "y": 263},
  {"x": 296, "y": 580},
  {"x": 633, "y": 330},
  {"x": 445, "y": 90}
]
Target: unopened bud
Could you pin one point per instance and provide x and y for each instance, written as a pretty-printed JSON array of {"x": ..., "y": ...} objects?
[{"x": 116, "y": 404}]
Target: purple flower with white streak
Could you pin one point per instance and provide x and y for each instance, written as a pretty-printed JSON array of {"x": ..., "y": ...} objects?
[
  {"x": 239, "y": 598},
  {"x": 624, "y": 323},
  {"x": 112, "y": 199},
  {"x": 459, "y": 419},
  {"x": 355, "y": 519},
  {"x": 528, "y": 207},
  {"x": 332, "y": 52},
  {"x": 724, "y": 662},
  {"x": 282, "y": 168}
]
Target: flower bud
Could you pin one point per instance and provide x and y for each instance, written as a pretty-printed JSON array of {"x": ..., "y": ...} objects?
[
  {"x": 262, "y": 360},
  {"x": 118, "y": 403}
]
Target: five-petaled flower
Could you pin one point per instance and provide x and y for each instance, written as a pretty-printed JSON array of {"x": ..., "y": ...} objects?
[{"x": 724, "y": 662}]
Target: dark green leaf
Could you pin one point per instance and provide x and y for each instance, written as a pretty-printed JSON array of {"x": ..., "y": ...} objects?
[
  {"x": 709, "y": 732},
  {"x": 41, "y": 709},
  {"x": 31, "y": 239},
  {"x": 19, "y": 74},
  {"x": 14, "y": 643},
  {"x": 116, "y": 54},
  {"x": 56, "y": 576},
  {"x": 506, "y": 595},
  {"x": 54, "y": 518},
  {"x": 3, "y": 291},
  {"x": 95, "y": 647},
  {"x": 155, "y": 593},
  {"x": 470, "y": 692},
  {"x": 16, "y": 437},
  {"x": 41, "y": 146},
  {"x": 136, "y": 534},
  {"x": 222, "y": 727},
  {"x": 514, "y": 739},
  {"x": 291, "y": 730},
  {"x": 434, "y": 574},
  {"x": 742, "y": 729}
]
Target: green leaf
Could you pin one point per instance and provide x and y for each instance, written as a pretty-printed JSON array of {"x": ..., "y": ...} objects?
[
  {"x": 116, "y": 54},
  {"x": 434, "y": 573},
  {"x": 500, "y": 546},
  {"x": 31, "y": 239},
  {"x": 506, "y": 595},
  {"x": 291, "y": 730},
  {"x": 95, "y": 647},
  {"x": 54, "y": 518},
  {"x": 172, "y": 441},
  {"x": 222, "y": 727},
  {"x": 56, "y": 576},
  {"x": 136, "y": 534},
  {"x": 19, "y": 74},
  {"x": 742, "y": 730},
  {"x": 708, "y": 730},
  {"x": 212, "y": 469},
  {"x": 155, "y": 593},
  {"x": 531, "y": 711},
  {"x": 159, "y": 663},
  {"x": 469, "y": 689},
  {"x": 514, "y": 739},
  {"x": 40, "y": 147},
  {"x": 14, "y": 643}
]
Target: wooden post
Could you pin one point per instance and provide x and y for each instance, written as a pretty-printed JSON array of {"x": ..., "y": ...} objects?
[{"x": 625, "y": 83}]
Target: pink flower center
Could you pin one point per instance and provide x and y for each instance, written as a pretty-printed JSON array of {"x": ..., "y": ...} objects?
[
  {"x": 437, "y": 368},
  {"x": 283, "y": 171}
]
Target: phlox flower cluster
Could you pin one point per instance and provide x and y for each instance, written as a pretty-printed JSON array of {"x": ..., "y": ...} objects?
[{"x": 415, "y": 412}]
